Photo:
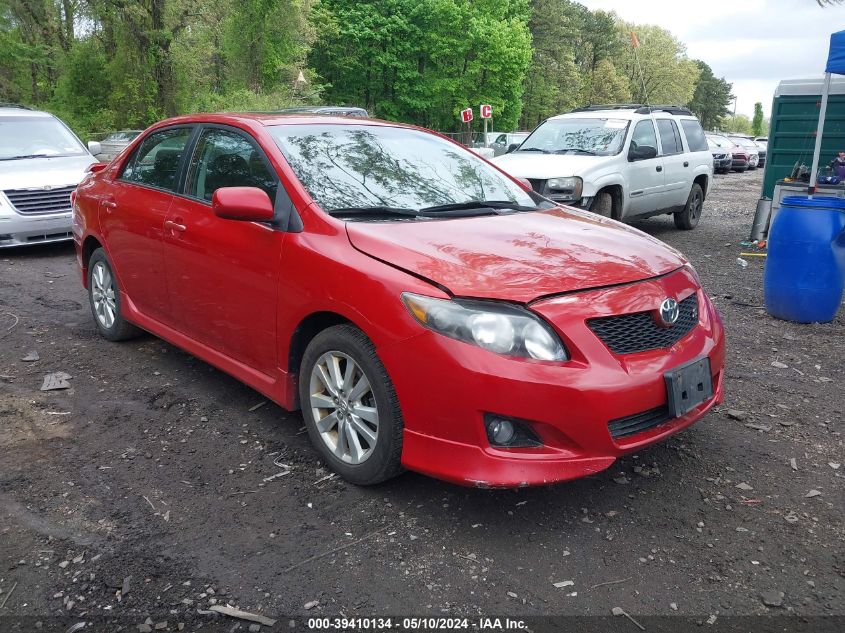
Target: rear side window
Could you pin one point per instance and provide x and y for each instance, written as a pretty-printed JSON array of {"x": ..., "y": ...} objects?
[
  {"x": 227, "y": 159},
  {"x": 156, "y": 161},
  {"x": 670, "y": 138},
  {"x": 695, "y": 135}
]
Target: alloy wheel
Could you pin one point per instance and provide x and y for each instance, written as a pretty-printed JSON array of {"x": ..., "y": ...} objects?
[
  {"x": 103, "y": 295},
  {"x": 344, "y": 407}
]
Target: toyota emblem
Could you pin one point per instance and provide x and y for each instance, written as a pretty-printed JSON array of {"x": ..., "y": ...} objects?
[{"x": 669, "y": 312}]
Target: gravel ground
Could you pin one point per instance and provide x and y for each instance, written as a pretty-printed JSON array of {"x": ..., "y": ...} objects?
[{"x": 145, "y": 490}]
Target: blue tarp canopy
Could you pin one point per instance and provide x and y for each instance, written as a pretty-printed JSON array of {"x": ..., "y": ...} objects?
[{"x": 836, "y": 56}]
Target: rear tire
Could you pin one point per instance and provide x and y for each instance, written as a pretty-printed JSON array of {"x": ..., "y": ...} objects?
[
  {"x": 350, "y": 407},
  {"x": 689, "y": 217},
  {"x": 603, "y": 205},
  {"x": 104, "y": 297}
]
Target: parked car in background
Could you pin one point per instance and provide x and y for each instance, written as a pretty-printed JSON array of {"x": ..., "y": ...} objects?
[
  {"x": 327, "y": 110},
  {"x": 41, "y": 162},
  {"x": 620, "y": 161},
  {"x": 762, "y": 151},
  {"x": 312, "y": 257},
  {"x": 722, "y": 157},
  {"x": 750, "y": 148},
  {"x": 504, "y": 142},
  {"x": 115, "y": 143},
  {"x": 739, "y": 154}
]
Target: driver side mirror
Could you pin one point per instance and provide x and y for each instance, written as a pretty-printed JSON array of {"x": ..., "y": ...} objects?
[
  {"x": 511, "y": 147},
  {"x": 642, "y": 152},
  {"x": 248, "y": 204},
  {"x": 95, "y": 148}
]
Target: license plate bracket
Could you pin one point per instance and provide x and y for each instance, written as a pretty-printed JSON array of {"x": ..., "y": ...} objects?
[{"x": 687, "y": 386}]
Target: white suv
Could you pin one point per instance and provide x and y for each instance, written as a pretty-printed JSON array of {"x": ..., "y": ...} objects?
[{"x": 619, "y": 161}]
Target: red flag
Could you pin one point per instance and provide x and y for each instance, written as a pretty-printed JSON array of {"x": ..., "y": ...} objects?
[{"x": 635, "y": 43}]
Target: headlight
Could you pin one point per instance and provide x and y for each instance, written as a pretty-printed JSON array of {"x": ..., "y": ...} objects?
[
  {"x": 497, "y": 327},
  {"x": 568, "y": 188}
]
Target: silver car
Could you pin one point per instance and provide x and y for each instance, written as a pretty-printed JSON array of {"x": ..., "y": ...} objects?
[{"x": 41, "y": 162}]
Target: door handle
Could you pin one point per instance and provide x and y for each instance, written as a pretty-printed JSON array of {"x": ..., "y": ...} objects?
[
  {"x": 659, "y": 168},
  {"x": 686, "y": 163},
  {"x": 173, "y": 226},
  {"x": 110, "y": 204}
]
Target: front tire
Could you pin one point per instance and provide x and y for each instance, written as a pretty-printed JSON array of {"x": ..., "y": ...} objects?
[
  {"x": 689, "y": 217},
  {"x": 104, "y": 297},
  {"x": 603, "y": 205},
  {"x": 350, "y": 407}
]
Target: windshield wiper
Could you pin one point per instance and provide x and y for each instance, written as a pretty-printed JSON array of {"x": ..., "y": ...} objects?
[
  {"x": 459, "y": 210},
  {"x": 533, "y": 149},
  {"x": 577, "y": 149},
  {"x": 22, "y": 156},
  {"x": 476, "y": 204},
  {"x": 375, "y": 211}
]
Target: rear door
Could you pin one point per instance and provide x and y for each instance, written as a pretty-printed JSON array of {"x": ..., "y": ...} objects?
[
  {"x": 645, "y": 177},
  {"x": 676, "y": 165},
  {"x": 132, "y": 219},
  {"x": 223, "y": 274}
]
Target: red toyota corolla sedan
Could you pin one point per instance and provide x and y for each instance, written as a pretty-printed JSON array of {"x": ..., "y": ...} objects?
[{"x": 422, "y": 308}]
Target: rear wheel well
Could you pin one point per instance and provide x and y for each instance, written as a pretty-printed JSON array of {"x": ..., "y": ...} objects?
[
  {"x": 615, "y": 192},
  {"x": 90, "y": 245},
  {"x": 304, "y": 333},
  {"x": 701, "y": 180}
]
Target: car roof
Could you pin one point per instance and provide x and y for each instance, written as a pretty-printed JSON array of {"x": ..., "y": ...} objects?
[
  {"x": 621, "y": 113},
  {"x": 21, "y": 111},
  {"x": 269, "y": 119}
]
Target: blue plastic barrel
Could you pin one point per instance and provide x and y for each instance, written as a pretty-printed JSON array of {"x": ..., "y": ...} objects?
[{"x": 805, "y": 268}]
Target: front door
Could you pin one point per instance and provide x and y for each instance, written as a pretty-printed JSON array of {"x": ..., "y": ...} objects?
[
  {"x": 222, "y": 274},
  {"x": 645, "y": 177},
  {"x": 132, "y": 219}
]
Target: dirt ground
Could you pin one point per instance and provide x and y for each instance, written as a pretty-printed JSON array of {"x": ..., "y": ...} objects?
[{"x": 146, "y": 490}]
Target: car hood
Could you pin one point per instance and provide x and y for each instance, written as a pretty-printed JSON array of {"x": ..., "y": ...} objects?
[
  {"x": 59, "y": 171},
  {"x": 544, "y": 166},
  {"x": 518, "y": 257}
]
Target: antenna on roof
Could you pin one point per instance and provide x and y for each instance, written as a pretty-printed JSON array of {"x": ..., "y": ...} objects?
[{"x": 635, "y": 44}]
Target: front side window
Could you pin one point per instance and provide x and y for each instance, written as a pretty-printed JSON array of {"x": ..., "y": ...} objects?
[
  {"x": 695, "y": 135},
  {"x": 36, "y": 137},
  {"x": 370, "y": 166},
  {"x": 599, "y": 137},
  {"x": 669, "y": 137},
  {"x": 156, "y": 161},
  {"x": 227, "y": 159},
  {"x": 644, "y": 135}
]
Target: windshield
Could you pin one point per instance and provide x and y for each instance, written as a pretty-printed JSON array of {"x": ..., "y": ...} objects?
[
  {"x": 380, "y": 167},
  {"x": 745, "y": 142},
  {"x": 721, "y": 141},
  {"x": 602, "y": 137},
  {"x": 29, "y": 136}
]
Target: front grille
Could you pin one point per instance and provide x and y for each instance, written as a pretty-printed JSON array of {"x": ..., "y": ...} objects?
[
  {"x": 40, "y": 201},
  {"x": 633, "y": 424},
  {"x": 638, "y": 332}
]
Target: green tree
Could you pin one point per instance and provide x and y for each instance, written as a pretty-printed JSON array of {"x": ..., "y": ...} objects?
[
  {"x": 757, "y": 121},
  {"x": 425, "y": 60},
  {"x": 658, "y": 70},
  {"x": 738, "y": 124},
  {"x": 711, "y": 98}
]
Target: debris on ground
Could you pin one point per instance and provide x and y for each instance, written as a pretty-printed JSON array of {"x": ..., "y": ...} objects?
[
  {"x": 232, "y": 612},
  {"x": 31, "y": 357},
  {"x": 56, "y": 380}
]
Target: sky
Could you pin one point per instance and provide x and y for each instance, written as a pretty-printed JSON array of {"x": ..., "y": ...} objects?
[{"x": 751, "y": 43}]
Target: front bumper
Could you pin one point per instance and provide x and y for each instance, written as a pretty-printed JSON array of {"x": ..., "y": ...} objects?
[
  {"x": 445, "y": 387},
  {"x": 20, "y": 230},
  {"x": 722, "y": 163}
]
